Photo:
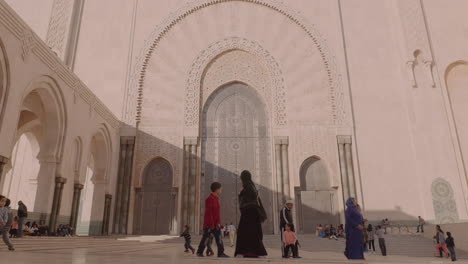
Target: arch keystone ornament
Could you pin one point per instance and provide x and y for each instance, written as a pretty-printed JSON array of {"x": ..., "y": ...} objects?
[{"x": 135, "y": 90}]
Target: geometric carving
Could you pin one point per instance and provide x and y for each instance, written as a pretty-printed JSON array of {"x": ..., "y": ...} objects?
[
  {"x": 136, "y": 87},
  {"x": 445, "y": 207},
  {"x": 59, "y": 25},
  {"x": 28, "y": 43},
  {"x": 194, "y": 83},
  {"x": 230, "y": 146}
]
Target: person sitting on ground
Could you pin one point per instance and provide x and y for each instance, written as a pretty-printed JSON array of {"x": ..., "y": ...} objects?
[
  {"x": 290, "y": 242},
  {"x": 43, "y": 229},
  {"x": 340, "y": 232},
  {"x": 332, "y": 233},
  {"x": 34, "y": 229},
  {"x": 14, "y": 228},
  {"x": 318, "y": 229},
  {"x": 27, "y": 229}
]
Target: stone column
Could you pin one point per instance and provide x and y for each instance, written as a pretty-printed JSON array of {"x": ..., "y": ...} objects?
[
  {"x": 75, "y": 204},
  {"x": 279, "y": 173},
  {"x": 189, "y": 181},
  {"x": 173, "y": 212},
  {"x": 56, "y": 202},
  {"x": 346, "y": 167},
  {"x": 350, "y": 169},
  {"x": 127, "y": 185},
  {"x": 185, "y": 184},
  {"x": 124, "y": 179},
  {"x": 344, "y": 177},
  {"x": 285, "y": 166},
  {"x": 106, "y": 217},
  {"x": 119, "y": 188},
  {"x": 3, "y": 161},
  {"x": 282, "y": 170},
  {"x": 192, "y": 182}
]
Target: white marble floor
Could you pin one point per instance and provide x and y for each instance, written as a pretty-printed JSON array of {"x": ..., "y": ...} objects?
[{"x": 168, "y": 250}]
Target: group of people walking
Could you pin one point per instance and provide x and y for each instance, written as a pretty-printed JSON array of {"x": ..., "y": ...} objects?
[
  {"x": 7, "y": 220},
  {"x": 249, "y": 242}
]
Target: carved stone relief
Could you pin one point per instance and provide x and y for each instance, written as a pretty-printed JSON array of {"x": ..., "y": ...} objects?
[
  {"x": 236, "y": 138},
  {"x": 59, "y": 25},
  {"x": 242, "y": 66},
  {"x": 445, "y": 207},
  {"x": 137, "y": 80}
]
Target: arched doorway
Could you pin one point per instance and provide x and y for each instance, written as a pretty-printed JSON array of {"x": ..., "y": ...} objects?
[
  {"x": 315, "y": 198},
  {"x": 235, "y": 138},
  {"x": 155, "y": 200},
  {"x": 90, "y": 212}
]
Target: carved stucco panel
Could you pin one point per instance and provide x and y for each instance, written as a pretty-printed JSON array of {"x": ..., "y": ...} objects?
[
  {"x": 240, "y": 68},
  {"x": 445, "y": 207},
  {"x": 135, "y": 89},
  {"x": 59, "y": 25}
]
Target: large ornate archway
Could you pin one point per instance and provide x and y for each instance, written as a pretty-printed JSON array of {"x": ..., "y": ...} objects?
[{"x": 236, "y": 138}]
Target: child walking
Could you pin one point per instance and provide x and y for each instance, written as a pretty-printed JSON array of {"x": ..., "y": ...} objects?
[
  {"x": 380, "y": 232},
  {"x": 188, "y": 239},
  {"x": 370, "y": 236},
  {"x": 290, "y": 241},
  {"x": 6, "y": 220},
  {"x": 451, "y": 246}
]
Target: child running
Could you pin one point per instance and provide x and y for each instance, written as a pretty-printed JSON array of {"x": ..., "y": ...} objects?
[
  {"x": 188, "y": 239},
  {"x": 290, "y": 242}
]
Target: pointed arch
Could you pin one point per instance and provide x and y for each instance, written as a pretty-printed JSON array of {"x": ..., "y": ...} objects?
[{"x": 4, "y": 81}]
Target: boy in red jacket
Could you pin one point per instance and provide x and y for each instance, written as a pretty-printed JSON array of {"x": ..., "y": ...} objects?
[{"x": 212, "y": 221}]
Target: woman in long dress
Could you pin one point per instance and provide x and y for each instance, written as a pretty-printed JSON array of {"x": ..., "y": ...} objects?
[
  {"x": 249, "y": 233},
  {"x": 353, "y": 228}
]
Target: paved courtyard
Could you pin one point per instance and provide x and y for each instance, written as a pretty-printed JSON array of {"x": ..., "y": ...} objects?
[{"x": 168, "y": 250}]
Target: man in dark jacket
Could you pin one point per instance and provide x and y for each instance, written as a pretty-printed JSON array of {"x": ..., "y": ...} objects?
[
  {"x": 285, "y": 218},
  {"x": 212, "y": 221},
  {"x": 22, "y": 216}
]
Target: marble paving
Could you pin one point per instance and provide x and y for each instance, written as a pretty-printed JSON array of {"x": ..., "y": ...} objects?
[{"x": 168, "y": 250}]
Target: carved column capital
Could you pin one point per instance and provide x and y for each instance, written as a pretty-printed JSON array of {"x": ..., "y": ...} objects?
[
  {"x": 78, "y": 186},
  {"x": 60, "y": 180}
]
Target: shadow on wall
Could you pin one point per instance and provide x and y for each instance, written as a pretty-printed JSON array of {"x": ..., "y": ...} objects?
[{"x": 157, "y": 209}]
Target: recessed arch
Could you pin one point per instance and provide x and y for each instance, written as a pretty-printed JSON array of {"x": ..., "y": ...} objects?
[
  {"x": 155, "y": 203},
  {"x": 95, "y": 182},
  {"x": 314, "y": 174},
  {"x": 456, "y": 80},
  {"x": 46, "y": 98},
  {"x": 41, "y": 116}
]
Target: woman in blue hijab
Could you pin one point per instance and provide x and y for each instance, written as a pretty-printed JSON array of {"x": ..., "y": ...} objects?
[{"x": 353, "y": 229}]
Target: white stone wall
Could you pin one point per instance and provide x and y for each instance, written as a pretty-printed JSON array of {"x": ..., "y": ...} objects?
[
  {"x": 394, "y": 104},
  {"x": 29, "y": 62}
]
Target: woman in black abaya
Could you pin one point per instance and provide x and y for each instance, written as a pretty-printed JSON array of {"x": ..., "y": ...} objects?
[{"x": 249, "y": 233}]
